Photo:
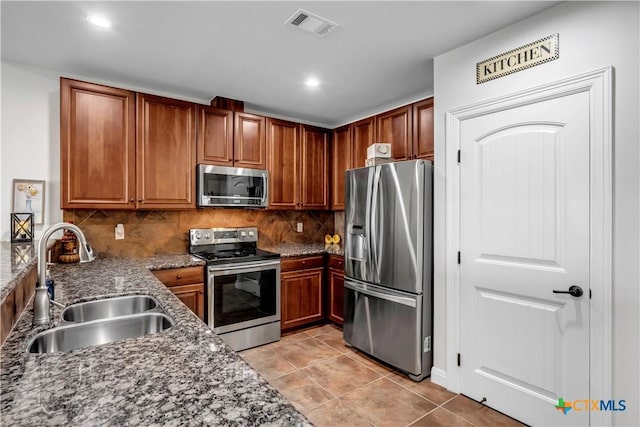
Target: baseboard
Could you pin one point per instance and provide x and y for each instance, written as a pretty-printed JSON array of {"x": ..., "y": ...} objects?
[{"x": 438, "y": 376}]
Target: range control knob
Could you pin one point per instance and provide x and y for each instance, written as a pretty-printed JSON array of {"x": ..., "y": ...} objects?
[
  {"x": 198, "y": 235},
  {"x": 243, "y": 234},
  {"x": 251, "y": 234},
  {"x": 207, "y": 236}
]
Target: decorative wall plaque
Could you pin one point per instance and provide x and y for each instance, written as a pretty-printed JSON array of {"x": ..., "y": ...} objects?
[{"x": 521, "y": 58}]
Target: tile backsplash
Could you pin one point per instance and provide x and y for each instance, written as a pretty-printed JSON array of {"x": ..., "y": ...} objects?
[{"x": 149, "y": 233}]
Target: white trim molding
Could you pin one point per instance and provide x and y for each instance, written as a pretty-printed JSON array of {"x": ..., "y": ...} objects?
[
  {"x": 438, "y": 376},
  {"x": 599, "y": 85}
]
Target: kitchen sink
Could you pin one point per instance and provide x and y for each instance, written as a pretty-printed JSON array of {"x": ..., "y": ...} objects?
[
  {"x": 97, "y": 332},
  {"x": 108, "y": 308}
]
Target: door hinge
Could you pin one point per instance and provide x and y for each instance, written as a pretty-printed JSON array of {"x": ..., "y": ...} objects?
[
  {"x": 458, "y": 359},
  {"x": 458, "y": 156},
  {"x": 458, "y": 257}
]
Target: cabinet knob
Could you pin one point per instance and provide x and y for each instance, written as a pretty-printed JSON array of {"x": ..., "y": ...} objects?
[
  {"x": 140, "y": 200},
  {"x": 132, "y": 200},
  {"x": 201, "y": 292},
  {"x": 178, "y": 276}
]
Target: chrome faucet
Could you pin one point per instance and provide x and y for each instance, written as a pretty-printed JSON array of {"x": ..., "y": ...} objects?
[{"x": 41, "y": 303}]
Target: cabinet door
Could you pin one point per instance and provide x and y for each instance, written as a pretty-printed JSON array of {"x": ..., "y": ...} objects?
[
  {"x": 97, "y": 129},
  {"x": 423, "y": 129},
  {"x": 192, "y": 296},
  {"x": 249, "y": 146},
  {"x": 284, "y": 147},
  {"x": 396, "y": 127},
  {"x": 302, "y": 301},
  {"x": 341, "y": 161},
  {"x": 336, "y": 296},
  {"x": 166, "y": 153},
  {"x": 314, "y": 170},
  {"x": 363, "y": 134},
  {"x": 215, "y": 136}
]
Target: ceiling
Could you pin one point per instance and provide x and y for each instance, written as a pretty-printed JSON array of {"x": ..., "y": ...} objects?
[{"x": 380, "y": 56}]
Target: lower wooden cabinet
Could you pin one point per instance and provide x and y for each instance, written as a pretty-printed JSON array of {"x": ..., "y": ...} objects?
[
  {"x": 302, "y": 296},
  {"x": 336, "y": 289},
  {"x": 188, "y": 285}
]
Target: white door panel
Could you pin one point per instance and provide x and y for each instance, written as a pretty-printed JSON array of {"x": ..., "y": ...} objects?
[{"x": 524, "y": 232}]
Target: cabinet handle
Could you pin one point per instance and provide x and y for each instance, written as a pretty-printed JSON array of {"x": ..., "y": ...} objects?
[{"x": 178, "y": 276}]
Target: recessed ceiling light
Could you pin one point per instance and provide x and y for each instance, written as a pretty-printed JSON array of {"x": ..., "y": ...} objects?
[
  {"x": 99, "y": 21},
  {"x": 312, "y": 82}
]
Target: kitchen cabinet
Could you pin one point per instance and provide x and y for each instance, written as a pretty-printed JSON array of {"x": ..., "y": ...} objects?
[
  {"x": 125, "y": 150},
  {"x": 336, "y": 288},
  {"x": 363, "y": 137},
  {"x": 298, "y": 166},
  {"x": 97, "y": 144},
  {"x": 314, "y": 168},
  {"x": 283, "y": 144},
  {"x": 249, "y": 145},
  {"x": 165, "y": 153},
  {"x": 188, "y": 285},
  {"x": 302, "y": 300},
  {"x": 396, "y": 127},
  {"x": 341, "y": 161},
  {"x": 235, "y": 139},
  {"x": 423, "y": 129},
  {"x": 215, "y": 136}
]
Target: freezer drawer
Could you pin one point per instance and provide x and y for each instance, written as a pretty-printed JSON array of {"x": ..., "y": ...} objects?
[{"x": 385, "y": 324}]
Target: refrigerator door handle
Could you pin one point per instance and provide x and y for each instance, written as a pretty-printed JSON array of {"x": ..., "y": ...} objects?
[
  {"x": 410, "y": 302},
  {"x": 374, "y": 225},
  {"x": 371, "y": 267}
]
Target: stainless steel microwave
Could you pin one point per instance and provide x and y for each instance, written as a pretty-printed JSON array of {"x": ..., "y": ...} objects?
[{"x": 231, "y": 187}]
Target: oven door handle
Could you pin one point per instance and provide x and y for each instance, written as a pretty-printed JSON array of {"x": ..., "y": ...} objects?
[{"x": 222, "y": 269}]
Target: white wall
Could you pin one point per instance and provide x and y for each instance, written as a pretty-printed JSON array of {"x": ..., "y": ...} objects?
[
  {"x": 30, "y": 138},
  {"x": 592, "y": 35}
]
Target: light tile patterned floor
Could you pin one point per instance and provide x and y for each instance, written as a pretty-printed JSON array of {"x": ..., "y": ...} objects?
[{"x": 335, "y": 385}]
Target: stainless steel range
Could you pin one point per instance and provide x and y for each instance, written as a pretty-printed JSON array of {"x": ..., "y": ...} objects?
[{"x": 243, "y": 285}]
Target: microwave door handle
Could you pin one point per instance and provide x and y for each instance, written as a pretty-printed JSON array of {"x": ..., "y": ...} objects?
[{"x": 265, "y": 185}]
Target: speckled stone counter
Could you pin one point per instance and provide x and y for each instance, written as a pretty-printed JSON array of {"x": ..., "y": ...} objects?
[
  {"x": 185, "y": 375},
  {"x": 16, "y": 259},
  {"x": 300, "y": 249}
]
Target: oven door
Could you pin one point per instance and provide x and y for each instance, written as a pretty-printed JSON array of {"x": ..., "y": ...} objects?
[{"x": 243, "y": 295}]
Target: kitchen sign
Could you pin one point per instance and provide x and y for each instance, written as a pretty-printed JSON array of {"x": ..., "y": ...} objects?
[{"x": 521, "y": 58}]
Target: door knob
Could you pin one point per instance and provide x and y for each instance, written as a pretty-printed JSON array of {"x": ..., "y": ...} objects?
[{"x": 574, "y": 291}]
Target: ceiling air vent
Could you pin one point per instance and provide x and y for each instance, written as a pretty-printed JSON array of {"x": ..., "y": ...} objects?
[{"x": 311, "y": 23}]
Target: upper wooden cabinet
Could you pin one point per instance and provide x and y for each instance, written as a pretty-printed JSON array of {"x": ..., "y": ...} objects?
[
  {"x": 97, "y": 141},
  {"x": 423, "y": 129},
  {"x": 165, "y": 153},
  {"x": 341, "y": 161},
  {"x": 298, "y": 165},
  {"x": 249, "y": 147},
  {"x": 395, "y": 127},
  {"x": 215, "y": 136},
  {"x": 314, "y": 168},
  {"x": 226, "y": 138},
  {"x": 364, "y": 132},
  {"x": 283, "y": 145}
]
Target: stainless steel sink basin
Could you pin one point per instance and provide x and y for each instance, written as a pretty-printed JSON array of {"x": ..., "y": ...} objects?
[
  {"x": 108, "y": 308},
  {"x": 70, "y": 336}
]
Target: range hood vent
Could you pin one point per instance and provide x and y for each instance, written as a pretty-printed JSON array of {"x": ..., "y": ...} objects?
[{"x": 311, "y": 23}]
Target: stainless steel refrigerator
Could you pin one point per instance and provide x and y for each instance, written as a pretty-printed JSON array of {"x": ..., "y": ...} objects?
[{"x": 388, "y": 264}]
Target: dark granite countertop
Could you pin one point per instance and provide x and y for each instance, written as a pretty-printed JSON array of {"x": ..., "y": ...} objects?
[
  {"x": 300, "y": 249},
  {"x": 16, "y": 260},
  {"x": 183, "y": 376}
]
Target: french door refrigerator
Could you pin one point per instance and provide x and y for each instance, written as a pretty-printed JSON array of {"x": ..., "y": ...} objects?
[{"x": 388, "y": 264}]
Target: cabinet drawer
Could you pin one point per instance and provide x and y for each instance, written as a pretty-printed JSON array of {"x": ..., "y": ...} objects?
[
  {"x": 336, "y": 262},
  {"x": 301, "y": 263},
  {"x": 180, "y": 276}
]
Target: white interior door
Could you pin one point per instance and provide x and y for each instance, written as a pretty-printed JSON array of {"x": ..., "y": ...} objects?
[{"x": 524, "y": 232}]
